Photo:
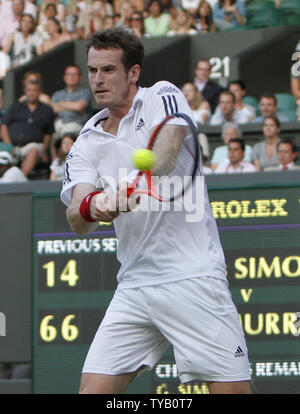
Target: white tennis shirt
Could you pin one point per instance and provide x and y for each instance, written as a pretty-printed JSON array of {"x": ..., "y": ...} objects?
[{"x": 154, "y": 247}]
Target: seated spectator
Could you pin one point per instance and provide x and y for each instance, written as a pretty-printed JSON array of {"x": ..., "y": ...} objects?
[
  {"x": 71, "y": 105},
  {"x": 34, "y": 78},
  {"x": 108, "y": 22},
  {"x": 199, "y": 107},
  {"x": 136, "y": 24},
  {"x": 238, "y": 88},
  {"x": 230, "y": 131},
  {"x": 49, "y": 12},
  {"x": 203, "y": 18},
  {"x": 11, "y": 13},
  {"x": 59, "y": 7},
  {"x": 56, "y": 35},
  {"x": 138, "y": 5},
  {"x": 62, "y": 146},
  {"x": 157, "y": 23},
  {"x": 287, "y": 153},
  {"x": 182, "y": 24},
  {"x": 229, "y": 13},
  {"x": 85, "y": 13},
  {"x": 94, "y": 23},
  {"x": 236, "y": 162},
  {"x": 265, "y": 152},
  {"x": 126, "y": 10},
  {"x": 28, "y": 126},
  {"x": 268, "y": 107},
  {"x": 210, "y": 90},
  {"x": 24, "y": 44},
  {"x": 226, "y": 111},
  {"x": 9, "y": 173}
]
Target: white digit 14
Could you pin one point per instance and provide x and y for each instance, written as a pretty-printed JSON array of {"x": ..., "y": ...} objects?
[{"x": 68, "y": 275}]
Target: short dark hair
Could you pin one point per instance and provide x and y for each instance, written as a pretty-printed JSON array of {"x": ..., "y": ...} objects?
[
  {"x": 269, "y": 96},
  {"x": 274, "y": 118},
  {"x": 227, "y": 92},
  {"x": 239, "y": 141},
  {"x": 119, "y": 38},
  {"x": 289, "y": 141},
  {"x": 238, "y": 82}
]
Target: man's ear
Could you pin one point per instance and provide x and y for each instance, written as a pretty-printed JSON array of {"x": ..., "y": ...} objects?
[{"x": 134, "y": 72}]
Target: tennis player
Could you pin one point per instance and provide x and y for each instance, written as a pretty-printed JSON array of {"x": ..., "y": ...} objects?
[{"x": 172, "y": 286}]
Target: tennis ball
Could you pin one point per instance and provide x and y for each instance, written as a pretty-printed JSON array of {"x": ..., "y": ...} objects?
[{"x": 144, "y": 159}]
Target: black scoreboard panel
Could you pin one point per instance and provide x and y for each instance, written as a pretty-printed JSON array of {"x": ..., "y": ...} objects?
[{"x": 74, "y": 278}]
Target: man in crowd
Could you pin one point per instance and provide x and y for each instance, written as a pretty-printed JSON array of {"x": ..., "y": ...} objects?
[
  {"x": 287, "y": 153},
  {"x": 236, "y": 162},
  {"x": 209, "y": 89},
  {"x": 28, "y": 126},
  {"x": 71, "y": 104},
  {"x": 268, "y": 107},
  {"x": 227, "y": 112}
]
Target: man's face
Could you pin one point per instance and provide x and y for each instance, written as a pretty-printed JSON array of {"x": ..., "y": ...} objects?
[
  {"x": 226, "y": 104},
  {"x": 72, "y": 77},
  {"x": 202, "y": 71},
  {"x": 270, "y": 128},
  {"x": 18, "y": 7},
  {"x": 267, "y": 107},
  {"x": 109, "y": 81},
  {"x": 32, "y": 93},
  {"x": 285, "y": 154},
  {"x": 235, "y": 153},
  {"x": 237, "y": 91}
]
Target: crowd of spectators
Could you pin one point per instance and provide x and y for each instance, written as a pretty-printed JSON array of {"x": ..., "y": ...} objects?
[{"x": 39, "y": 129}]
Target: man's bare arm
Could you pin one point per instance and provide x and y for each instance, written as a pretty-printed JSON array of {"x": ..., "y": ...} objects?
[{"x": 99, "y": 209}]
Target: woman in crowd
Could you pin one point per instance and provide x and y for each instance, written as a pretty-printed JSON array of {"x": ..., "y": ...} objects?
[
  {"x": 136, "y": 23},
  {"x": 203, "y": 18},
  {"x": 183, "y": 24},
  {"x": 56, "y": 35},
  {"x": 56, "y": 5},
  {"x": 57, "y": 166},
  {"x": 265, "y": 152},
  {"x": 25, "y": 43},
  {"x": 229, "y": 13},
  {"x": 157, "y": 22},
  {"x": 199, "y": 107}
]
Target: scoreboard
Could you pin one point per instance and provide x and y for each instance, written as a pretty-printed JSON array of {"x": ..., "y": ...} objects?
[{"x": 74, "y": 278}]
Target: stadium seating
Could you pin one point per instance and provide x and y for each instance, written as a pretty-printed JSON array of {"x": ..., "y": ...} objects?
[
  {"x": 4, "y": 146},
  {"x": 250, "y": 100},
  {"x": 290, "y": 12},
  {"x": 285, "y": 101}
]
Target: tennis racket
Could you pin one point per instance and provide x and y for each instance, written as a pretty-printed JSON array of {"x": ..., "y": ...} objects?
[{"x": 176, "y": 148}]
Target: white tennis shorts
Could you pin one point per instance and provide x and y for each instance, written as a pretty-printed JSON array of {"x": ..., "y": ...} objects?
[{"x": 197, "y": 316}]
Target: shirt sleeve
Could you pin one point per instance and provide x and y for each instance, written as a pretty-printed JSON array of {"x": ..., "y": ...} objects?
[{"x": 78, "y": 170}]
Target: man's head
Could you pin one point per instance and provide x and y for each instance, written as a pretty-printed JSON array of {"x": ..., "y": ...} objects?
[
  {"x": 115, "y": 58},
  {"x": 18, "y": 7},
  {"x": 237, "y": 87},
  {"x": 230, "y": 130},
  {"x": 236, "y": 151},
  {"x": 203, "y": 70},
  {"x": 72, "y": 76},
  {"x": 226, "y": 103},
  {"x": 32, "y": 92},
  {"x": 287, "y": 151},
  {"x": 268, "y": 104}
]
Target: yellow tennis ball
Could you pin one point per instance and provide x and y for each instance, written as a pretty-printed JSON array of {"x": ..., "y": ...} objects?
[{"x": 144, "y": 159}]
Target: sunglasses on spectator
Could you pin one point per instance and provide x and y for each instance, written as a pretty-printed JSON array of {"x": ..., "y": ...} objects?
[{"x": 135, "y": 19}]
